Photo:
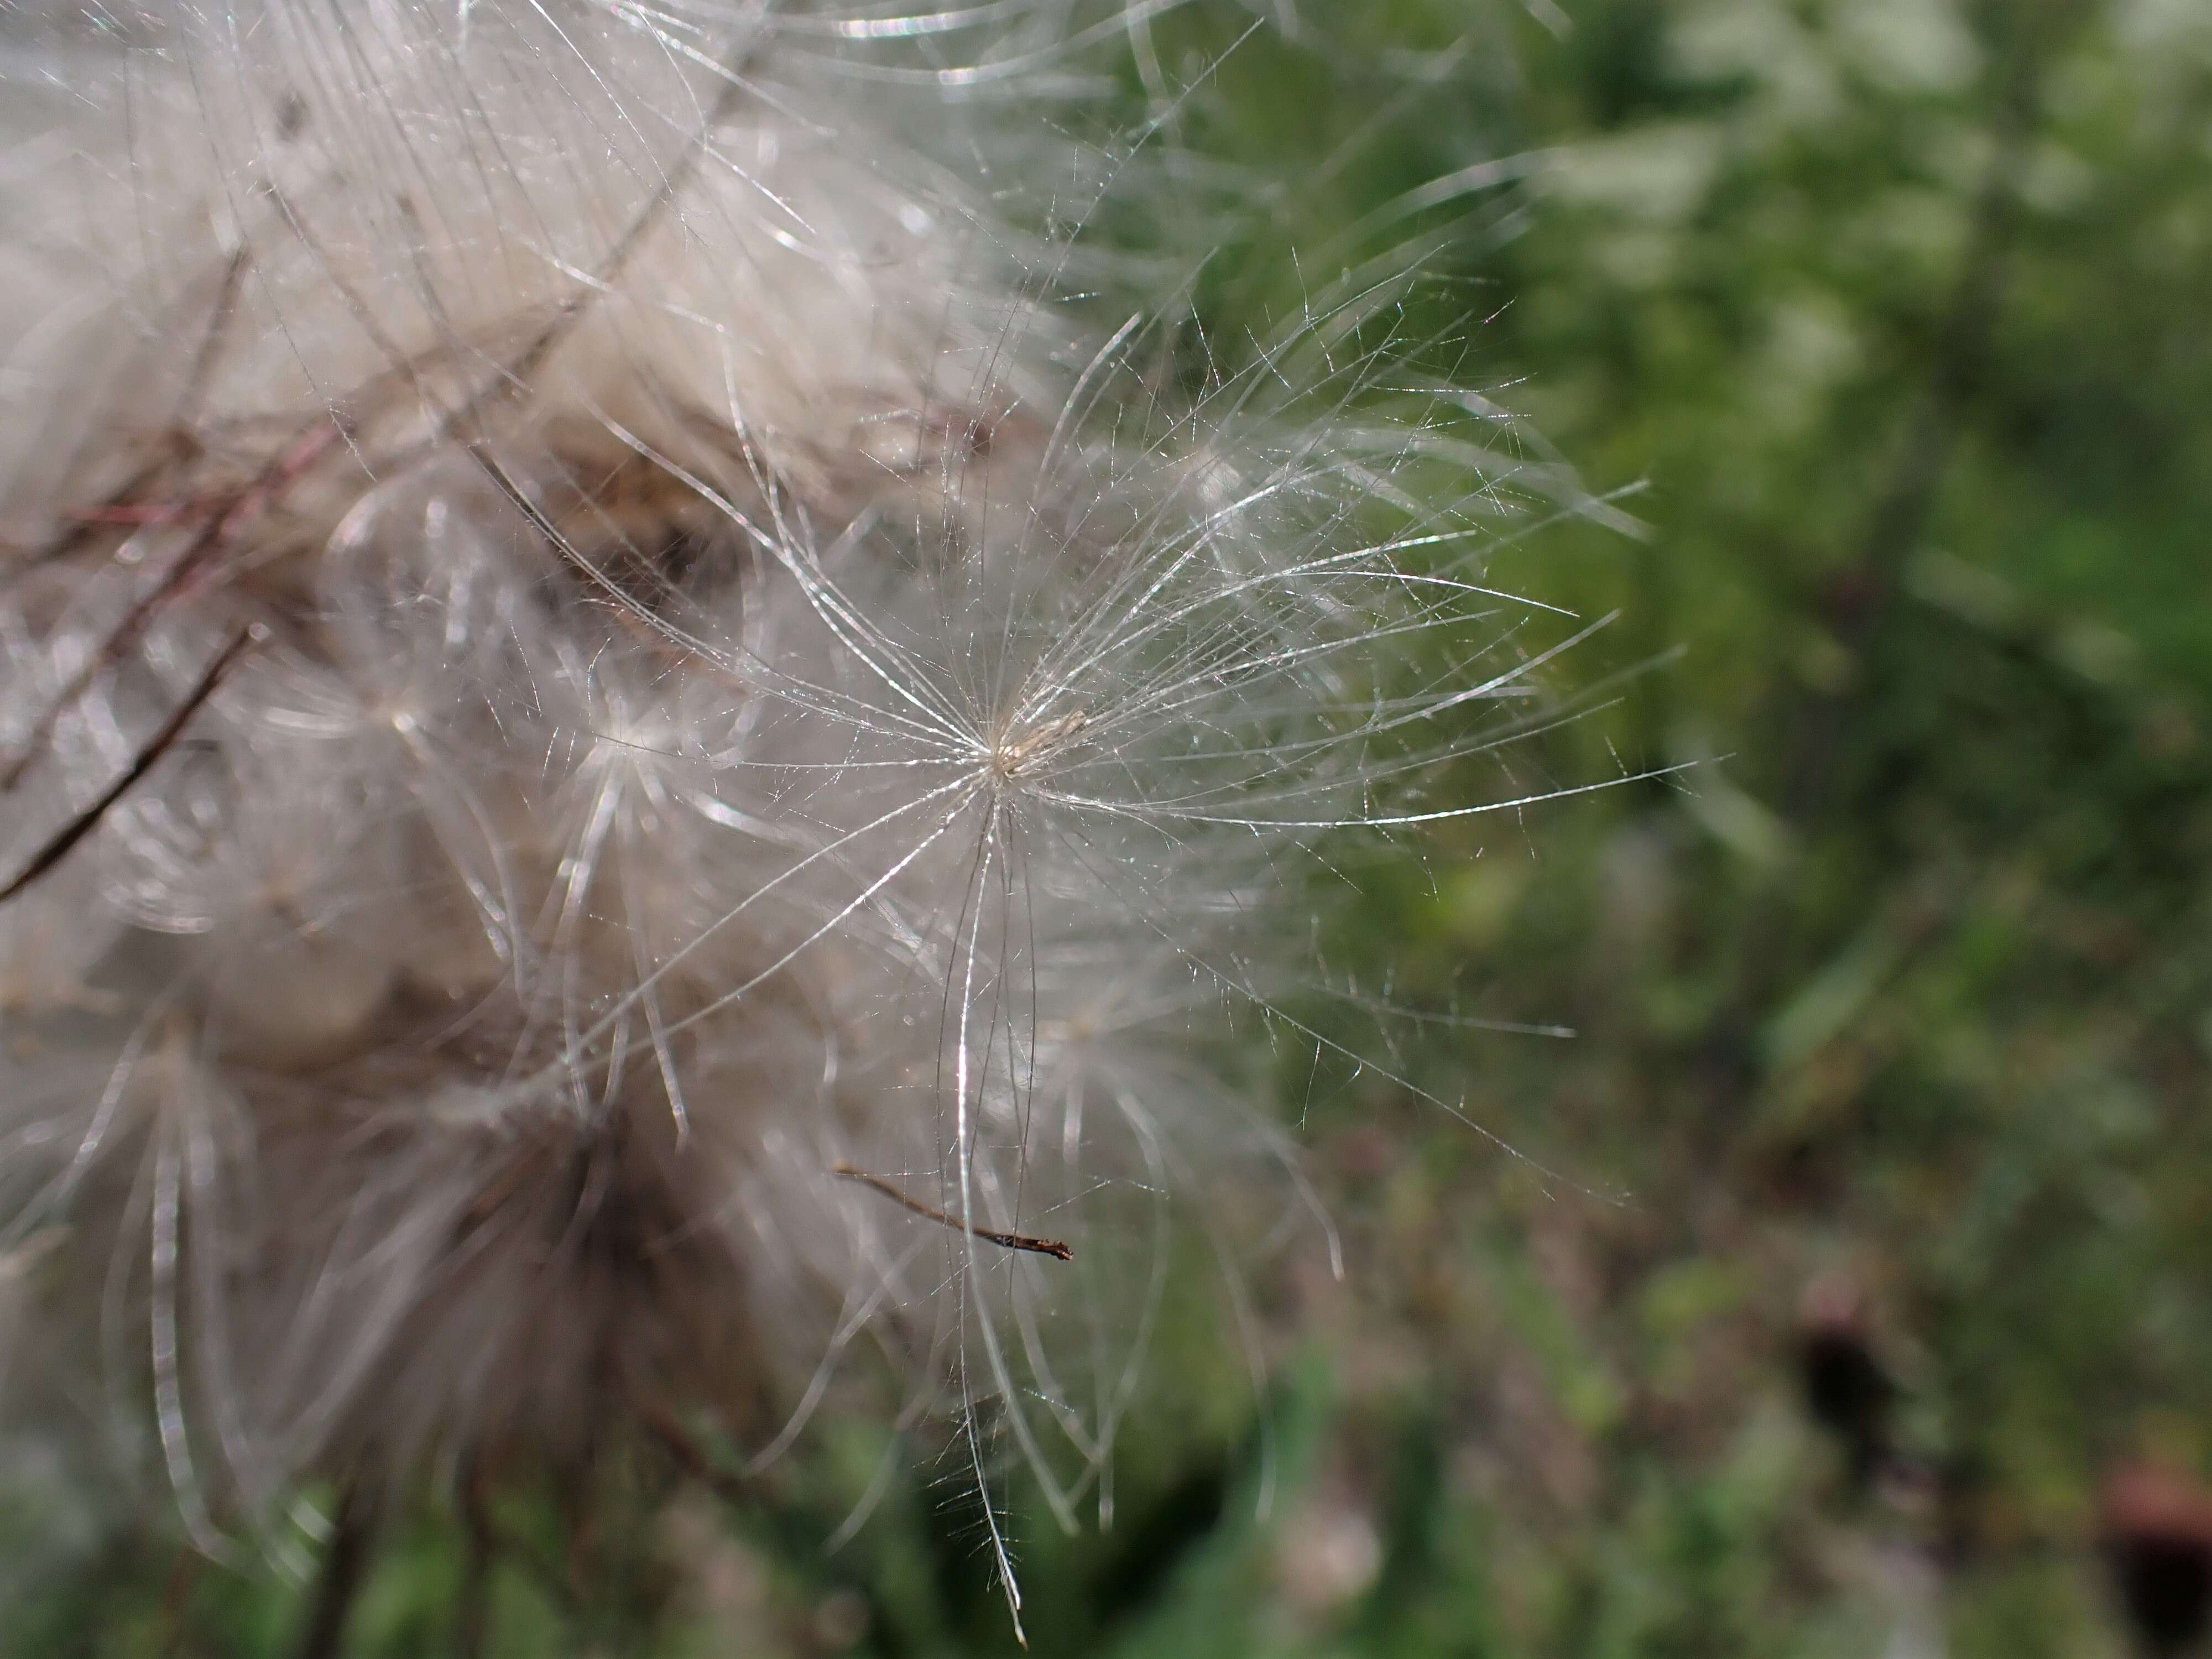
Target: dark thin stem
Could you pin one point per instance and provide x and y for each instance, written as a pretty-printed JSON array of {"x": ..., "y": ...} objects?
[
  {"x": 345, "y": 1565},
  {"x": 156, "y": 746},
  {"x": 1051, "y": 1247},
  {"x": 472, "y": 1614},
  {"x": 312, "y": 442}
]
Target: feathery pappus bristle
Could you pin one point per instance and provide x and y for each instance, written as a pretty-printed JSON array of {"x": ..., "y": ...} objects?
[{"x": 631, "y": 762}]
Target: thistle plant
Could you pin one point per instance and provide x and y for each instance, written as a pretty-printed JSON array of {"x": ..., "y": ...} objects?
[{"x": 660, "y": 740}]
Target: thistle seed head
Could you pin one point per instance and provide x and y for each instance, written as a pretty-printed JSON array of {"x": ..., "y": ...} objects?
[{"x": 585, "y": 653}]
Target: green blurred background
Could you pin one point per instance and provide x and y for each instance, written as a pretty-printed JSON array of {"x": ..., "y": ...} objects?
[{"x": 1895, "y": 1014}]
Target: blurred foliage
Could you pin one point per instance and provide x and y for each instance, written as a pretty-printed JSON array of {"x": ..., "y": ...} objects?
[{"x": 1897, "y": 310}]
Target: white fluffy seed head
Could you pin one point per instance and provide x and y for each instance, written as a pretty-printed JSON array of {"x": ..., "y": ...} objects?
[{"x": 705, "y": 773}]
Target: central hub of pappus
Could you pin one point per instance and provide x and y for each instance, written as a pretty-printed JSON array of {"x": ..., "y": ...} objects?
[{"x": 1018, "y": 752}]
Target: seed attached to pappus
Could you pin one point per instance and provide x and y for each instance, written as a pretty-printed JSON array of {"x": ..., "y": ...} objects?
[{"x": 1051, "y": 1247}]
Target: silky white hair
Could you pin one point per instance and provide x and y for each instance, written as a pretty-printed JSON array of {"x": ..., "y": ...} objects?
[{"x": 638, "y": 753}]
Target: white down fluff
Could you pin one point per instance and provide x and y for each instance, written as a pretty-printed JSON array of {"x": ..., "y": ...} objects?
[{"x": 634, "y": 763}]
